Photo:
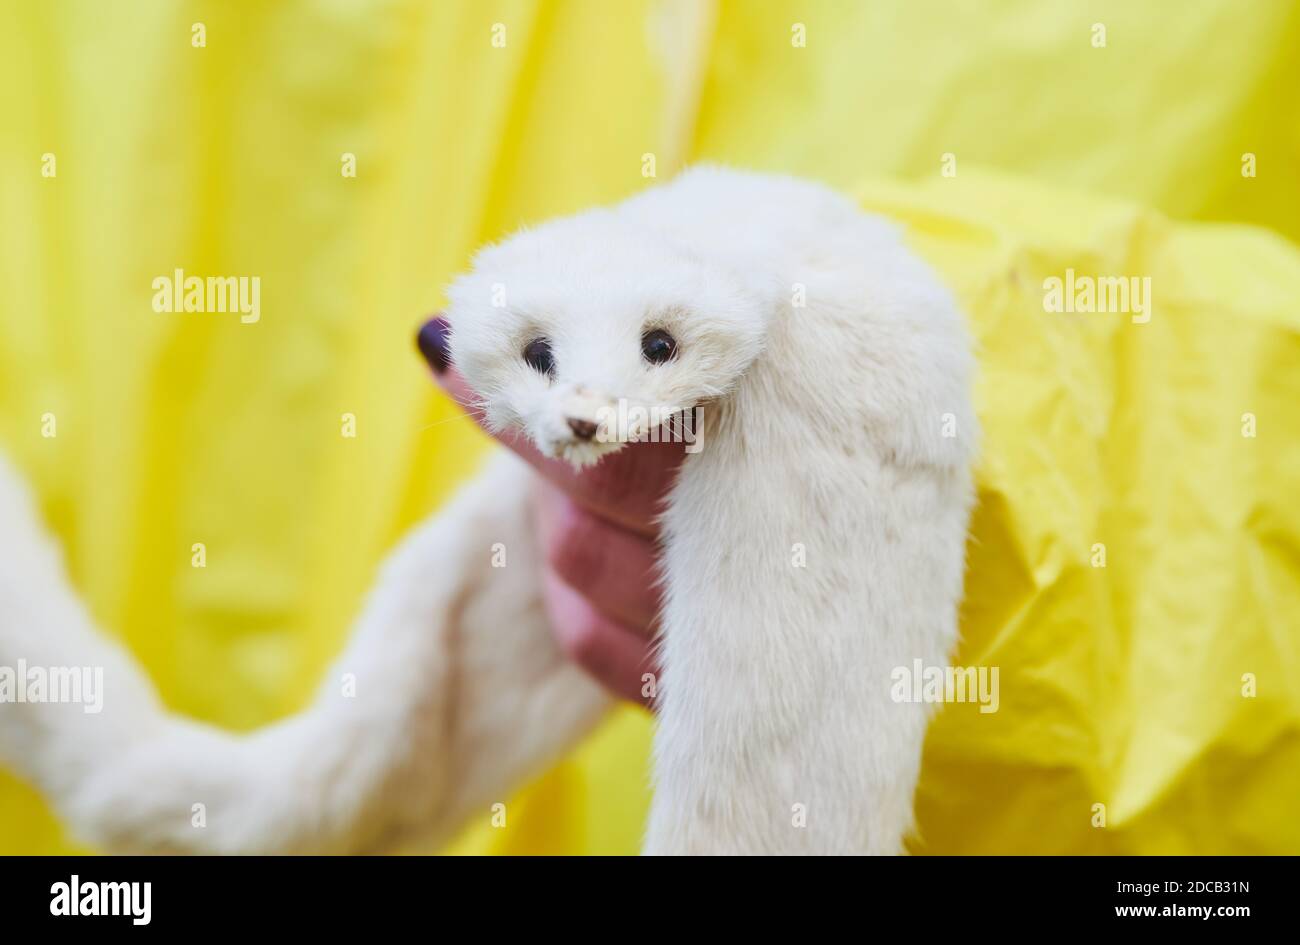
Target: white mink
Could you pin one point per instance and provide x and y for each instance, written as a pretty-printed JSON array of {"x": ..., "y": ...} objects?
[{"x": 813, "y": 542}]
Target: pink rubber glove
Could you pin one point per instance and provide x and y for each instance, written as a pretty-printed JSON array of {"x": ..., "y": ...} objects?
[{"x": 597, "y": 528}]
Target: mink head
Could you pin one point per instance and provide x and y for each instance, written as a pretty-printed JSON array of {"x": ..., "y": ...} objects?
[{"x": 589, "y": 332}]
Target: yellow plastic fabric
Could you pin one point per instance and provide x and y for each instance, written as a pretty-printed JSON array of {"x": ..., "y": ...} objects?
[
  {"x": 1120, "y": 686},
  {"x": 1134, "y": 565}
]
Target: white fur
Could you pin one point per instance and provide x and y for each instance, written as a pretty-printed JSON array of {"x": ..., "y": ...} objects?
[{"x": 823, "y": 431}]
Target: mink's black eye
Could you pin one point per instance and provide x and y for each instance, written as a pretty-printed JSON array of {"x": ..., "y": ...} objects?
[
  {"x": 538, "y": 357},
  {"x": 658, "y": 346}
]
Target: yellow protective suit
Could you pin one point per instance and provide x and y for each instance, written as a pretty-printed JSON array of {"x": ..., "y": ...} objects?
[{"x": 1135, "y": 559}]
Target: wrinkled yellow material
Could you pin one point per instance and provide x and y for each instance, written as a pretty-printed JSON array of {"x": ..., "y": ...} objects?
[{"x": 1120, "y": 685}]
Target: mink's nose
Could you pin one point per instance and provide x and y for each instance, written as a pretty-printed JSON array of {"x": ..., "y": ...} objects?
[{"x": 582, "y": 429}]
